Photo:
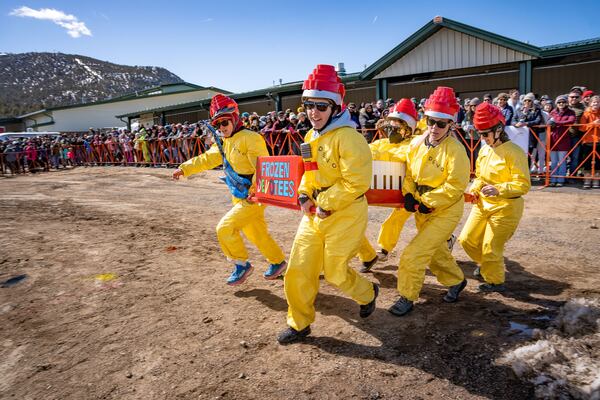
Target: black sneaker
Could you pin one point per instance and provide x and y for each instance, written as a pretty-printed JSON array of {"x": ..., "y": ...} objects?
[
  {"x": 382, "y": 255},
  {"x": 477, "y": 272},
  {"x": 454, "y": 291},
  {"x": 491, "y": 287},
  {"x": 451, "y": 242},
  {"x": 401, "y": 307},
  {"x": 367, "y": 265},
  {"x": 368, "y": 309},
  {"x": 290, "y": 335}
]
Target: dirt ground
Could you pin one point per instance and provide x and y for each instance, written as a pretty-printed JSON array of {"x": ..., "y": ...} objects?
[{"x": 165, "y": 326}]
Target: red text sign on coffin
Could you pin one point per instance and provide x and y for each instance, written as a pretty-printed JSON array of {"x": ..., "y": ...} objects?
[{"x": 278, "y": 179}]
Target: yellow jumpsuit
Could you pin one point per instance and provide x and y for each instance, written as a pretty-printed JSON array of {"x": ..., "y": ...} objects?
[
  {"x": 343, "y": 176},
  {"x": 494, "y": 219},
  {"x": 144, "y": 143},
  {"x": 437, "y": 177},
  {"x": 389, "y": 233},
  {"x": 242, "y": 149}
]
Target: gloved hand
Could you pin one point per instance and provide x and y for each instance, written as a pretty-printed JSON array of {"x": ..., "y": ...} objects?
[
  {"x": 410, "y": 203},
  {"x": 423, "y": 209}
]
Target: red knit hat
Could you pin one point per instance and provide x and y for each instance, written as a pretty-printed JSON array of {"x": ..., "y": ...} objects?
[
  {"x": 587, "y": 93},
  {"x": 442, "y": 104},
  {"x": 324, "y": 83},
  {"x": 221, "y": 105},
  {"x": 406, "y": 111},
  {"x": 487, "y": 116}
]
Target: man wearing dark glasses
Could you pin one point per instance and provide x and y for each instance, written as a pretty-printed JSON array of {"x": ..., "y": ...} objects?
[
  {"x": 437, "y": 174},
  {"x": 241, "y": 148},
  {"x": 337, "y": 174}
]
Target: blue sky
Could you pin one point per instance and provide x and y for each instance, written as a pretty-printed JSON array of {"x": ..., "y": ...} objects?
[{"x": 243, "y": 45}]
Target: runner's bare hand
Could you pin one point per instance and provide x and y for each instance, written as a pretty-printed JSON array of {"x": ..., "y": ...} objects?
[
  {"x": 306, "y": 206},
  {"x": 489, "y": 190},
  {"x": 176, "y": 174}
]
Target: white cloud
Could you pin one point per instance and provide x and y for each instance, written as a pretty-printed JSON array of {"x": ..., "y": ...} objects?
[
  {"x": 71, "y": 23},
  {"x": 374, "y": 19}
]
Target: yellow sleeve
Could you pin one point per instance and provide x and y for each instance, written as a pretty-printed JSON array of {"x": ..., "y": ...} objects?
[
  {"x": 478, "y": 183},
  {"x": 208, "y": 160},
  {"x": 256, "y": 148},
  {"x": 356, "y": 167},
  {"x": 374, "y": 146},
  {"x": 400, "y": 152},
  {"x": 422, "y": 125},
  {"x": 306, "y": 187},
  {"x": 409, "y": 185},
  {"x": 520, "y": 182},
  {"x": 456, "y": 182}
]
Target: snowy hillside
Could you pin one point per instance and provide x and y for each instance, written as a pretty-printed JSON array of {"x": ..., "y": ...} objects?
[{"x": 32, "y": 81}]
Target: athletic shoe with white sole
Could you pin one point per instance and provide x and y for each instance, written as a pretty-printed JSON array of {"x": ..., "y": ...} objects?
[
  {"x": 275, "y": 270},
  {"x": 239, "y": 274}
]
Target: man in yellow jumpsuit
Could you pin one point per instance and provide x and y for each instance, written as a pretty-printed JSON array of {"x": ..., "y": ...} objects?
[
  {"x": 399, "y": 126},
  {"x": 501, "y": 180},
  {"x": 337, "y": 174},
  {"x": 437, "y": 175},
  {"x": 241, "y": 148}
]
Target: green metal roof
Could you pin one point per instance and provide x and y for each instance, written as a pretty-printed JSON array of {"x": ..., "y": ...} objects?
[
  {"x": 431, "y": 28},
  {"x": 199, "y": 103},
  {"x": 126, "y": 97},
  {"x": 435, "y": 25},
  {"x": 9, "y": 120},
  {"x": 274, "y": 90},
  {"x": 33, "y": 113},
  {"x": 42, "y": 124},
  {"x": 564, "y": 49}
]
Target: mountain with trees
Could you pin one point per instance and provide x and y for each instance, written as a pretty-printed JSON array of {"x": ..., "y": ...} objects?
[{"x": 34, "y": 81}]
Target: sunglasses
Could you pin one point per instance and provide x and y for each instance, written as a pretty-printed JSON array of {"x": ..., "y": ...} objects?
[
  {"x": 440, "y": 124},
  {"x": 218, "y": 124},
  {"x": 485, "y": 133},
  {"x": 321, "y": 106},
  {"x": 561, "y": 102},
  {"x": 573, "y": 97}
]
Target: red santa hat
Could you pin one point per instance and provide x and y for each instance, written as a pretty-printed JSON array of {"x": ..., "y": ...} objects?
[
  {"x": 487, "y": 116},
  {"x": 406, "y": 111},
  {"x": 324, "y": 83},
  {"x": 442, "y": 104}
]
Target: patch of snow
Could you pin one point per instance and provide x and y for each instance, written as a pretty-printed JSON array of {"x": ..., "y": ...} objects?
[
  {"x": 565, "y": 362},
  {"x": 88, "y": 69}
]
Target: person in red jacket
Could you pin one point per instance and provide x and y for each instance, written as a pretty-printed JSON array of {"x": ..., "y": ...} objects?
[
  {"x": 590, "y": 148},
  {"x": 560, "y": 143}
]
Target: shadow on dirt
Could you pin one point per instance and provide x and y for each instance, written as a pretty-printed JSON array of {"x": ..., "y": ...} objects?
[{"x": 457, "y": 342}]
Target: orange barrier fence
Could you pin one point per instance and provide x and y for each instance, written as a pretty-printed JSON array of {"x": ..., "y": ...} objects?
[{"x": 547, "y": 162}]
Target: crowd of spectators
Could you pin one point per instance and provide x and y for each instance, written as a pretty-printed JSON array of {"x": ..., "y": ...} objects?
[{"x": 572, "y": 119}]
